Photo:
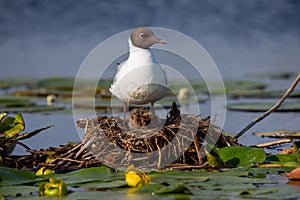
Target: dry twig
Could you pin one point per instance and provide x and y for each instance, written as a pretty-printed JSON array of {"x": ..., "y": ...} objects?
[
  {"x": 272, "y": 109},
  {"x": 269, "y": 144}
]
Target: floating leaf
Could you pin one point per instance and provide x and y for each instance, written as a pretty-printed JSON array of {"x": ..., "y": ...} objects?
[
  {"x": 104, "y": 184},
  {"x": 200, "y": 87},
  {"x": 10, "y": 176},
  {"x": 216, "y": 184},
  {"x": 10, "y": 83},
  {"x": 86, "y": 175},
  {"x": 264, "y": 106},
  {"x": 34, "y": 109},
  {"x": 17, "y": 191},
  {"x": 238, "y": 156},
  {"x": 181, "y": 189},
  {"x": 213, "y": 157},
  {"x": 57, "y": 82},
  {"x": 261, "y": 93},
  {"x": 282, "y": 158},
  {"x": 275, "y": 75},
  {"x": 8, "y": 102}
]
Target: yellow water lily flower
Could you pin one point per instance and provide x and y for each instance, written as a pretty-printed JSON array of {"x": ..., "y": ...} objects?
[
  {"x": 54, "y": 188},
  {"x": 136, "y": 177},
  {"x": 43, "y": 171}
]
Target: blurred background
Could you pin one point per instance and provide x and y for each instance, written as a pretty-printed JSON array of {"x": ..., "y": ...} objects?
[
  {"x": 46, "y": 38},
  {"x": 51, "y": 38}
]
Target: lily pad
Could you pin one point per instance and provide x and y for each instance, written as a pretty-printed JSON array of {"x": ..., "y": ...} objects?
[
  {"x": 102, "y": 181},
  {"x": 17, "y": 82},
  {"x": 238, "y": 156},
  {"x": 42, "y": 93},
  {"x": 243, "y": 85},
  {"x": 7, "y": 102},
  {"x": 16, "y": 191},
  {"x": 261, "y": 93},
  {"x": 10, "y": 176},
  {"x": 33, "y": 109},
  {"x": 264, "y": 106},
  {"x": 57, "y": 82},
  {"x": 87, "y": 175},
  {"x": 230, "y": 85},
  {"x": 282, "y": 158},
  {"x": 275, "y": 75},
  {"x": 174, "y": 189}
]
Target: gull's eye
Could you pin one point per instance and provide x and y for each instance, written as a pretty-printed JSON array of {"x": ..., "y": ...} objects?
[{"x": 141, "y": 35}]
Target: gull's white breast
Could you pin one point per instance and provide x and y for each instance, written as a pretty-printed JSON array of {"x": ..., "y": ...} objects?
[{"x": 140, "y": 79}]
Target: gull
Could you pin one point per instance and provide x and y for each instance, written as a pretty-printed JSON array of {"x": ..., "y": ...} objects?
[{"x": 140, "y": 79}]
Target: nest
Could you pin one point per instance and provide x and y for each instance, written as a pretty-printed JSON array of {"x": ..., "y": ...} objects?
[{"x": 179, "y": 140}]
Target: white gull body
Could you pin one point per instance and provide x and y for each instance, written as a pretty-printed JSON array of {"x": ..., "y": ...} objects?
[{"x": 140, "y": 79}]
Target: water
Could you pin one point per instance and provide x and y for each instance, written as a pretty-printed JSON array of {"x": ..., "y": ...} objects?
[
  {"x": 40, "y": 37},
  {"x": 46, "y": 38}
]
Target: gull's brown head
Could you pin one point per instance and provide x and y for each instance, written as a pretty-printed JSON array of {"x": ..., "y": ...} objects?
[{"x": 144, "y": 38}]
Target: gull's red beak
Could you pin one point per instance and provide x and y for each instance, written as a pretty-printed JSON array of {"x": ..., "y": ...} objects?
[{"x": 159, "y": 41}]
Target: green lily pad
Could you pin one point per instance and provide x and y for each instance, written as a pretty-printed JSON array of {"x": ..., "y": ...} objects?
[
  {"x": 264, "y": 106},
  {"x": 16, "y": 191},
  {"x": 17, "y": 82},
  {"x": 276, "y": 75},
  {"x": 243, "y": 85},
  {"x": 282, "y": 158},
  {"x": 230, "y": 85},
  {"x": 57, "y": 82},
  {"x": 7, "y": 102},
  {"x": 104, "y": 184},
  {"x": 86, "y": 175},
  {"x": 238, "y": 156},
  {"x": 102, "y": 181},
  {"x": 10, "y": 176},
  {"x": 33, "y": 109},
  {"x": 42, "y": 93},
  {"x": 174, "y": 189},
  {"x": 261, "y": 93},
  {"x": 24, "y": 104}
]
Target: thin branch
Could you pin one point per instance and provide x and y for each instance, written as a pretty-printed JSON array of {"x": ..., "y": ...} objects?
[
  {"x": 272, "y": 109},
  {"x": 197, "y": 147},
  {"x": 269, "y": 144}
]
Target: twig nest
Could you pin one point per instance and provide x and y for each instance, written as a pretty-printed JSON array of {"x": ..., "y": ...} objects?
[{"x": 177, "y": 141}]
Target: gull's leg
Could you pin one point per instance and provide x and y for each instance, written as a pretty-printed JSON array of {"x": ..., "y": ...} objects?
[
  {"x": 152, "y": 108},
  {"x": 152, "y": 111},
  {"x": 124, "y": 113}
]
